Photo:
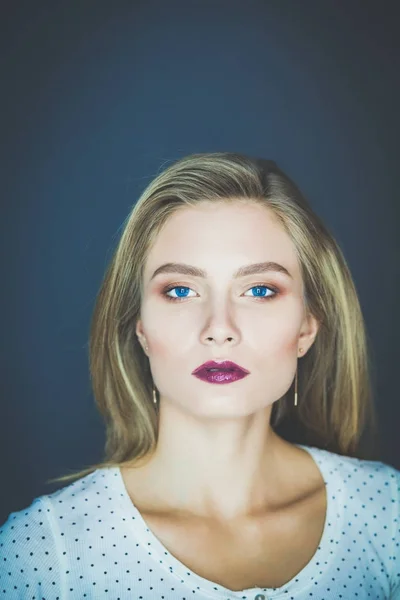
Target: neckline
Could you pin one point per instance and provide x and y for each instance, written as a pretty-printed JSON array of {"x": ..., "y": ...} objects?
[{"x": 317, "y": 566}]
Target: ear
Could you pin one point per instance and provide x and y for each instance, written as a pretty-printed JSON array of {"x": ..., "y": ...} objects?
[
  {"x": 308, "y": 333},
  {"x": 140, "y": 333},
  {"x": 139, "y": 328}
]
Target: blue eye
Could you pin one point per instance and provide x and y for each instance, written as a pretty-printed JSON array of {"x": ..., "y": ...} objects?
[
  {"x": 180, "y": 290},
  {"x": 261, "y": 292}
]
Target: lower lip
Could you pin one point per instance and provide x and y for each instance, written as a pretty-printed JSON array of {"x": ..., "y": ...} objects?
[{"x": 220, "y": 376}]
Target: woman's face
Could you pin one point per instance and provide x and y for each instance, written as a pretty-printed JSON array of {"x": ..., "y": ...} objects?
[{"x": 222, "y": 317}]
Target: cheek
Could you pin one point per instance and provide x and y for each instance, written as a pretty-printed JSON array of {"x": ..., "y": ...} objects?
[
  {"x": 291, "y": 345},
  {"x": 158, "y": 346},
  {"x": 287, "y": 349},
  {"x": 278, "y": 336},
  {"x": 163, "y": 340},
  {"x": 276, "y": 353}
]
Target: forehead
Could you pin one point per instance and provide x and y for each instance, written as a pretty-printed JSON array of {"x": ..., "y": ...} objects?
[{"x": 226, "y": 235}]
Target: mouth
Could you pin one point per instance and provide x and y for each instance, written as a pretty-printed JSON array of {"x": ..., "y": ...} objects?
[
  {"x": 220, "y": 372},
  {"x": 220, "y": 365}
]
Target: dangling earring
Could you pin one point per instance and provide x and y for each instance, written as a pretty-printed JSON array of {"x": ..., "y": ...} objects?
[
  {"x": 295, "y": 383},
  {"x": 154, "y": 390}
]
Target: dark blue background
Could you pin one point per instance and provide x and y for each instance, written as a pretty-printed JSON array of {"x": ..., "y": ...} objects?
[{"x": 97, "y": 96}]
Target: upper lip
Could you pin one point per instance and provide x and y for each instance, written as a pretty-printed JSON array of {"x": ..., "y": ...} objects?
[{"x": 221, "y": 364}]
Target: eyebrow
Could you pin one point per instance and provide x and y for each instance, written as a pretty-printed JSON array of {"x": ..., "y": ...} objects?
[{"x": 252, "y": 269}]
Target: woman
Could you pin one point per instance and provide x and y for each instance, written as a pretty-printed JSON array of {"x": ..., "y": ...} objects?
[{"x": 229, "y": 359}]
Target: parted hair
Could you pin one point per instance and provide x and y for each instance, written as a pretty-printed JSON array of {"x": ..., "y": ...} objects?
[{"x": 336, "y": 409}]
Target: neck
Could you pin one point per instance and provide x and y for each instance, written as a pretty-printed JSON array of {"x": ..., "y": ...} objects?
[{"x": 232, "y": 470}]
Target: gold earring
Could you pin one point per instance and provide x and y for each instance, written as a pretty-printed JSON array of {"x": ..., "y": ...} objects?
[
  {"x": 295, "y": 383},
  {"x": 154, "y": 391}
]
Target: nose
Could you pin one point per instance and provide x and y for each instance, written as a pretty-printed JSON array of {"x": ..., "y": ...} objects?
[
  {"x": 211, "y": 340},
  {"x": 221, "y": 326}
]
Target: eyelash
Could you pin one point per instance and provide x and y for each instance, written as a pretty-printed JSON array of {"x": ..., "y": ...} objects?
[{"x": 262, "y": 298}]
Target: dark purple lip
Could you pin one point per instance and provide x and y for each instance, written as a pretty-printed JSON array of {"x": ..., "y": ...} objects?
[
  {"x": 221, "y": 376},
  {"x": 225, "y": 365}
]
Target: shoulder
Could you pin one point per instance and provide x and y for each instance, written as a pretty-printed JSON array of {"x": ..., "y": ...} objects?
[
  {"x": 370, "y": 476},
  {"x": 365, "y": 472},
  {"x": 28, "y": 551},
  {"x": 375, "y": 481},
  {"x": 372, "y": 497},
  {"x": 31, "y": 540},
  {"x": 380, "y": 483}
]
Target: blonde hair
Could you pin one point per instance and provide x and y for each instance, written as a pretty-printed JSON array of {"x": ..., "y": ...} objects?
[{"x": 334, "y": 377}]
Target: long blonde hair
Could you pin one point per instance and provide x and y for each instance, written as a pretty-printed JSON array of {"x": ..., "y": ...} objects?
[{"x": 334, "y": 377}]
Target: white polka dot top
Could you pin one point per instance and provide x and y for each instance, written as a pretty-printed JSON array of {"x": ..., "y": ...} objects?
[{"x": 88, "y": 540}]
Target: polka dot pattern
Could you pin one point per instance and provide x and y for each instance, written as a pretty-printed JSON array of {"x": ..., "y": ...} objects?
[{"x": 87, "y": 540}]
